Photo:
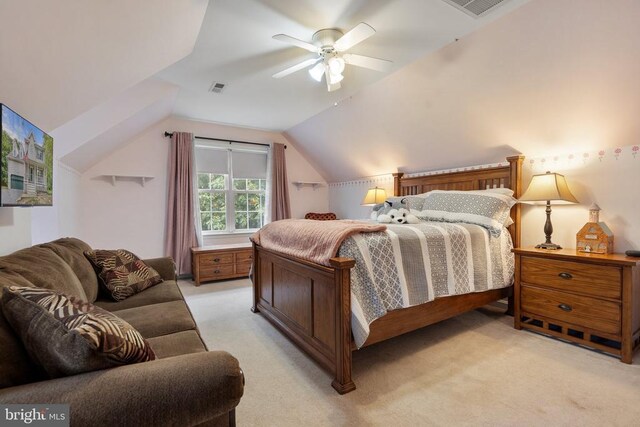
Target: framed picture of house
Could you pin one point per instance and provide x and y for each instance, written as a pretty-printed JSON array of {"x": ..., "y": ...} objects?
[{"x": 26, "y": 162}]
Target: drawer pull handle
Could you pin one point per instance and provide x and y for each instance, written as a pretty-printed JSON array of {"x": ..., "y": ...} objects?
[
  {"x": 216, "y": 260},
  {"x": 216, "y": 271},
  {"x": 565, "y": 307},
  {"x": 567, "y": 276}
]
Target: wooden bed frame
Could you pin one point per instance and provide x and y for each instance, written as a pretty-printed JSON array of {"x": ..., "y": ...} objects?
[{"x": 311, "y": 303}]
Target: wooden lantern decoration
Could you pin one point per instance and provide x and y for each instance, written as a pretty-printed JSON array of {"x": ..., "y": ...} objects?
[{"x": 595, "y": 236}]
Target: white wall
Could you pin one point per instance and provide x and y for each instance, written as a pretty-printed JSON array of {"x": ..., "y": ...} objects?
[
  {"x": 15, "y": 229},
  {"x": 61, "y": 219},
  {"x": 345, "y": 197},
  {"x": 601, "y": 176},
  {"x": 131, "y": 216}
]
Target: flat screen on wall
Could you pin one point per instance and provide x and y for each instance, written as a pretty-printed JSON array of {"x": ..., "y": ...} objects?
[{"x": 26, "y": 163}]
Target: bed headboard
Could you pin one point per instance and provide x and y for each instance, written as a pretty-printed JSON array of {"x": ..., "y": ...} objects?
[{"x": 477, "y": 179}]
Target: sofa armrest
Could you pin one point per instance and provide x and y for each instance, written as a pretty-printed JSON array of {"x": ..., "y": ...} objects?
[
  {"x": 164, "y": 266},
  {"x": 183, "y": 390}
]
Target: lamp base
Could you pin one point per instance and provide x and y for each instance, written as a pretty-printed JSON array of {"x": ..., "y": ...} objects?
[{"x": 549, "y": 246}]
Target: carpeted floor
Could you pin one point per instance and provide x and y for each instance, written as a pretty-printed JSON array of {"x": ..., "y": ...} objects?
[{"x": 474, "y": 369}]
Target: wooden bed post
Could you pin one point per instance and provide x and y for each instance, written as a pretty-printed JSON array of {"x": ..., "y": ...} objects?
[
  {"x": 515, "y": 178},
  {"x": 343, "y": 382},
  {"x": 255, "y": 278},
  {"x": 397, "y": 188}
]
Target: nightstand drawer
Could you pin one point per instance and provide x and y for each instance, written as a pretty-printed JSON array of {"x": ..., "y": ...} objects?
[
  {"x": 215, "y": 259},
  {"x": 218, "y": 271},
  {"x": 591, "y": 313},
  {"x": 244, "y": 257},
  {"x": 588, "y": 279}
]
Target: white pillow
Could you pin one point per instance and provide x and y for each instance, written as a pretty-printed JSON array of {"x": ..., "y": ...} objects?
[{"x": 485, "y": 208}]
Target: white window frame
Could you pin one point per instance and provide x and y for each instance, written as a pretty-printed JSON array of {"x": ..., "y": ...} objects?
[{"x": 230, "y": 193}]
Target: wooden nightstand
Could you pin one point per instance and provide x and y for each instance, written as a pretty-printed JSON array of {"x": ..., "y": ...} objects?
[
  {"x": 589, "y": 299},
  {"x": 220, "y": 262}
]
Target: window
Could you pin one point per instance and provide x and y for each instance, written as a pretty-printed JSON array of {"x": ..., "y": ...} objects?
[
  {"x": 249, "y": 203},
  {"x": 17, "y": 182},
  {"x": 231, "y": 188},
  {"x": 213, "y": 201}
]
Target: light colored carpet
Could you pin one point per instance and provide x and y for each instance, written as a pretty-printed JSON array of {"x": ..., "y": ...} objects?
[{"x": 474, "y": 369}]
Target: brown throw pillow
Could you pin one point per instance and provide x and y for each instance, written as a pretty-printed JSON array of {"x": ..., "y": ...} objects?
[
  {"x": 68, "y": 336},
  {"x": 122, "y": 273}
]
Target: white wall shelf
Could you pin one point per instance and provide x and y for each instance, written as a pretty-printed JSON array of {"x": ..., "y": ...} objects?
[
  {"x": 300, "y": 184},
  {"x": 114, "y": 178}
]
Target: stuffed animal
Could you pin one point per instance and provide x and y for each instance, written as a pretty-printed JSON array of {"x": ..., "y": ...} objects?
[
  {"x": 398, "y": 216},
  {"x": 377, "y": 209}
]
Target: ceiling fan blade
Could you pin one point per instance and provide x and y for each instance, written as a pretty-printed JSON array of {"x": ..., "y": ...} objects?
[
  {"x": 357, "y": 34},
  {"x": 297, "y": 67},
  {"x": 367, "y": 62},
  {"x": 296, "y": 42},
  {"x": 330, "y": 87}
]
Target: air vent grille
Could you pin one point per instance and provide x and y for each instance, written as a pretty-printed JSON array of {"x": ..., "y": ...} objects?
[
  {"x": 475, "y": 8},
  {"x": 216, "y": 87}
]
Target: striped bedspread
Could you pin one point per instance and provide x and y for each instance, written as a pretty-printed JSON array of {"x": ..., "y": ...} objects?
[{"x": 412, "y": 264}]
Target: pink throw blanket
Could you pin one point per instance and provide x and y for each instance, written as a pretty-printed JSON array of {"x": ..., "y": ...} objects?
[{"x": 315, "y": 241}]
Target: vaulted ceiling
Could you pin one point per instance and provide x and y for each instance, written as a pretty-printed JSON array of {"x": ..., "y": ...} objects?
[
  {"x": 95, "y": 74},
  {"x": 546, "y": 80},
  {"x": 62, "y": 58},
  {"x": 235, "y": 47}
]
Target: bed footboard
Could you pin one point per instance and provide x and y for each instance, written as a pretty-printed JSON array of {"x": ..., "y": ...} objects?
[{"x": 310, "y": 304}]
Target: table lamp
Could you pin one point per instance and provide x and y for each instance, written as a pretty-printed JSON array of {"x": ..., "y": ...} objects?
[
  {"x": 548, "y": 187},
  {"x": 374, "y": 196}
]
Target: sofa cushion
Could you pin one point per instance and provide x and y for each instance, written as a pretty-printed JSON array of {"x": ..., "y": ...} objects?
[
  {"x": 29, "y": 267},
  {"x": 159, "y": 319},
  {"x": 162, "y": 292},
  {"x": 72, "y": 250},
  {"x": 122, "y": 273},
  {"x": 67, "y": 336},
  {"x": 185, "y": 342},
  {"x": 41, "y": 267},
  {"x": 16, "y": 367}
]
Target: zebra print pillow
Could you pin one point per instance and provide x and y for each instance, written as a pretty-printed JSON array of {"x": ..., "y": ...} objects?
[
  {"x": 122, "y": 273},
  {"x": 68, "y": 336}
]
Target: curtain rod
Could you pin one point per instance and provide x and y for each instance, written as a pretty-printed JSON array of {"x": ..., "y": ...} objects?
[{"x": 170, "y": 134}]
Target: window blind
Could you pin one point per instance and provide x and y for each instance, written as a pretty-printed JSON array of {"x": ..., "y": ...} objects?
[
  {"x": 249, "y": 165},
  {"x": 211, "y": 160},
  {"x": 213, "y": 157}
]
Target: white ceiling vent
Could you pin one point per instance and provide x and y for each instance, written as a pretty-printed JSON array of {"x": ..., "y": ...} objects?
[
  {"x": 216, "y": 87},
  {"x": 475, "y": 8}
]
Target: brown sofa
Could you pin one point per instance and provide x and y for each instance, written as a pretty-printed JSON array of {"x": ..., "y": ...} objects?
[{"x": 186, "y": 385}]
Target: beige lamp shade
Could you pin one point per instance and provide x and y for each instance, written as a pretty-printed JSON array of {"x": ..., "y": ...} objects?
[
  {"x": 374, "y": 196},
  {"x": 548, "y": 187}
]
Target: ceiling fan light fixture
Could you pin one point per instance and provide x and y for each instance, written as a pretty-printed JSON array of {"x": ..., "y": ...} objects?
[
  {"x": 336, "y": 65},
  {"x": 317, "y": 71},
  {"x": 330, "y": 46},
  {"x": 335, "y": 78}
]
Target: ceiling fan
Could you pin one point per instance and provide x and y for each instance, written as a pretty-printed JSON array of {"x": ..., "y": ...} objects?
[{"x": 330, "y": 45}]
